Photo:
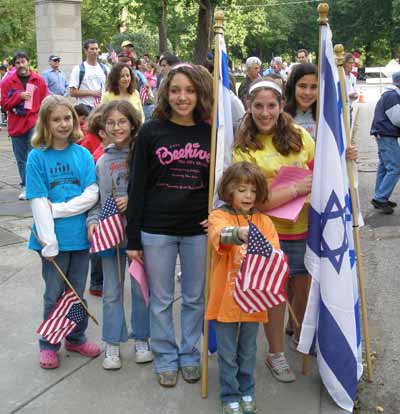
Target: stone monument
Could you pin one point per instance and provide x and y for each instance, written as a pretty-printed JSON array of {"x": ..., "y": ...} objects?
[{"x": 58, "y": 32}]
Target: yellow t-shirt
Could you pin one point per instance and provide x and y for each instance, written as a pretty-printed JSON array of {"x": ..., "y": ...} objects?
[
  {"x": 270, "y": 161},
  {"x": 134, "y": 100}
]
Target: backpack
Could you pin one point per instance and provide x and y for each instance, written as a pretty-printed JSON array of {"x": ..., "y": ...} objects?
[{"x": 82, "y": 72}]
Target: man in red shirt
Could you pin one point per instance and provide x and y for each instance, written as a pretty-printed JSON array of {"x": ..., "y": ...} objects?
[{"x": 21, "y": 96}]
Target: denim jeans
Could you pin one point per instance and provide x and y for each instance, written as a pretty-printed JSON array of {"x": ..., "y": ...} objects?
[
  {"x": 160, "y": 253},
  {"x": 75, "y": 265},
  {"x": 388, "y": 169},
  {"x": 236, "y": 359},
  {"x": 114, "y": 322},
  {"x": 148, "y": 111},
  {"x": 21, "y": 146},
  {"x": 96, "y": 272}
]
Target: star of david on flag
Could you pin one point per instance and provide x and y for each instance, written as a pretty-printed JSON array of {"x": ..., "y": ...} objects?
[
  {"x": 332, "y": 314},
  {"x": 260, "y": 282},
  {"x": 110, "y": 230},
  {"x": 63, "y": 319}
]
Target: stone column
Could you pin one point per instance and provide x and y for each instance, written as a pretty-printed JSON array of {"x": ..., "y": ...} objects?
[{"x": 58, "y": 32}]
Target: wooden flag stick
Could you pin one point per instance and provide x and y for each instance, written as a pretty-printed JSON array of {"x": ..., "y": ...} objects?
[
  {"x": 66, "y": 280},
  {"x": 117, "y": 246},
  {"x": 219, "y": 31},
  {"x": 339, "y": 52}
]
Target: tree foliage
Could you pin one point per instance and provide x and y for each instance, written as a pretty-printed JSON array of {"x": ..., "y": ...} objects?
[
  {"x": 263, "y": 28},
  {"x": 17, "y": 28}
]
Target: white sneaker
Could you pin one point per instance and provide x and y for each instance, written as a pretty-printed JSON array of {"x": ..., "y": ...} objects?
[
  {"x": 111, "y": 357},
  {"x": 22, "y": 196},
  {"x": 142, "y": 352}
]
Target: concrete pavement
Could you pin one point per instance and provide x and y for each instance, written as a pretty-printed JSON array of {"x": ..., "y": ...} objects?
[{"x": 81, "y": 385}]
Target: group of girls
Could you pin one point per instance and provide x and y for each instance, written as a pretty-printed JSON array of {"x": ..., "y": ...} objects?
[{"x": 167, "y": 163}]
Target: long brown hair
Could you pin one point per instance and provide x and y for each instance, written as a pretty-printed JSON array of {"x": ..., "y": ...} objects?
[
  {"x": 113, "y": 79},
  {"x": 285, "y": 137},
  {"x": 202, "y": 83}
]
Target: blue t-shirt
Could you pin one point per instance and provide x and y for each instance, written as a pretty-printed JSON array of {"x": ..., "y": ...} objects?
[{"x": 61, "y": 175}]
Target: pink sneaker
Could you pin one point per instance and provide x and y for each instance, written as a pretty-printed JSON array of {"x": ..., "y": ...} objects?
[
  {"x": 48, "y": 359},
  {"x": 88, "y": 349}
]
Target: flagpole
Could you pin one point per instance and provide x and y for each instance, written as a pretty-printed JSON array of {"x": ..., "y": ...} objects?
[
  {"x": 323, "y": 10},
  {"x": 61, "y": 273},
  {"x": 339, "y": 52},
  {"x": 219, "y": 30}
]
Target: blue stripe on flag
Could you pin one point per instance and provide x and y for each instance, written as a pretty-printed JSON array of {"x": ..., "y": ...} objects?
[
  {"x": 331, "y": 112},
  {"x": 314, "y": 231},
  {"x": 336, "y": 351},
  {"x": 225, "y": 70}
]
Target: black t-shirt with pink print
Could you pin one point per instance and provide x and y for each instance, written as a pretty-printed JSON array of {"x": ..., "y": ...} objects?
[{"x": 169, "y": 181}]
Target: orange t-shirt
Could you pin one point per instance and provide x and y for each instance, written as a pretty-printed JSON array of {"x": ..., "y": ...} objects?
[{"x": 225, "y": 265}]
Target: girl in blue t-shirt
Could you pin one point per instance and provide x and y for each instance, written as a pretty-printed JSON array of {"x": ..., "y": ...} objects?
[{"x": 61, "y": 186}]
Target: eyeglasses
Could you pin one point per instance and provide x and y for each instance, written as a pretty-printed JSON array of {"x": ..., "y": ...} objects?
[{"x": 120, "y": 124}]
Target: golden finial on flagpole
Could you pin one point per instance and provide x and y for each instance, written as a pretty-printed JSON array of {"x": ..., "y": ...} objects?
[
  {"x": 323, "y": 10},
  {"x": 339, "y": 54}
]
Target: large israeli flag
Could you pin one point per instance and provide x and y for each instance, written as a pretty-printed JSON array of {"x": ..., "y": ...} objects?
[
  {"x": 332, "y": 315},
  {"x": 224, "y": 117}
]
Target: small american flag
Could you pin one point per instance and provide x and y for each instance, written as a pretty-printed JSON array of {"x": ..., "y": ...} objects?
[
  {"x": 63, "y": 319},
  {"x": 262, "y": 276},
  {"x": 110, "y": 230},
  {"x": 112, "y": 55},
  {"x": 144, "y": 94}
]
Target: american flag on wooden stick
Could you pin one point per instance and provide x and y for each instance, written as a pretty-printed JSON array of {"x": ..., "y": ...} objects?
[
  {"x": 262, "y": 276},
  {"x": 110, "y": 230},
  {"x": 63, "y": 319}
]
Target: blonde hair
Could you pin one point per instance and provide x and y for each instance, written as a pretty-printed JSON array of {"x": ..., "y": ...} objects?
[{"x": 42, "y": 138}]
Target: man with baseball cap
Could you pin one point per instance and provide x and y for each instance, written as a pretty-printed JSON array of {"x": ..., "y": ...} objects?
[
  {"x": 55, "y": 79},
  {"x": 386, "y": 129},
  {"x": 127, "y": 47}
]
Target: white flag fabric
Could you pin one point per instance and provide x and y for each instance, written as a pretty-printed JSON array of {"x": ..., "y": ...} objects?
[
  {"x": 224, "y": 119},
  {"x": 331, "y": 321}
]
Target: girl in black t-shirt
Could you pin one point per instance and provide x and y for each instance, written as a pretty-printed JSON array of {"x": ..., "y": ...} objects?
[{"x": 167, "y": 215}]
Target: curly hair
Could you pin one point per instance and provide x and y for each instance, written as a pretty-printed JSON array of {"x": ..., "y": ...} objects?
[
  {"x": 285, "y": 136},
  {"x": 43, "y": 138},
  {"x": 114, "y": 76},
  {"x": 202, "y": 82},
  {"x": 296, "y": 74}
]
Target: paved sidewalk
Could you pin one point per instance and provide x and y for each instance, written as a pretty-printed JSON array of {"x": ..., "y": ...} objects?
[{"x": 81, "y": 385}]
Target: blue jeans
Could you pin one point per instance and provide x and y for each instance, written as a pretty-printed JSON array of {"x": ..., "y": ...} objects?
[
  {"x": 114, "y": 323},
  {"x": 96, "y": 272},
  {"x": 21, "y": 146},
  {"x": 75, "y": 265},
  {"x": 388, "y": 169},
  {"x": 236, "y": 359},
  {"x": 160, "y": 253},
  {"x": 148, "y": 111}
]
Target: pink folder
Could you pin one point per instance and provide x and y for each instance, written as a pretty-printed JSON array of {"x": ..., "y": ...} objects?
[
  {"x": 30, "y": 88},
  {"x": 137, "y": 272},
  {"x": 288, "y": 176}
]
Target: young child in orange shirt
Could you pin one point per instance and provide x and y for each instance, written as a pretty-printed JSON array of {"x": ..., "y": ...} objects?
[{"x": 242, "y": 187}]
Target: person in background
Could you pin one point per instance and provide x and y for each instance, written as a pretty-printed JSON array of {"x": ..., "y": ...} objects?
[
  {"x": 88, "y": 79},
  {"x": 82, "y": 113},
  {"x": 121, "y": 84},
  {"x": 386, "y": 129},
  {"x": 275, "y": 68},
  {"x": 22, "y": 93},
  {"x": 55, "y": 79},
  {"x": 351, "y": 83},
  {"x": 167, "y": 59},
  {"x": 128, "y": 47},
  {"x": 253, "y": 67},
  {"x": 302, "y": 56}
]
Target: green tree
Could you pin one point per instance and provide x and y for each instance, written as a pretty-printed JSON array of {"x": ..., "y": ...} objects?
[{"x": 17, "y": 28}]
